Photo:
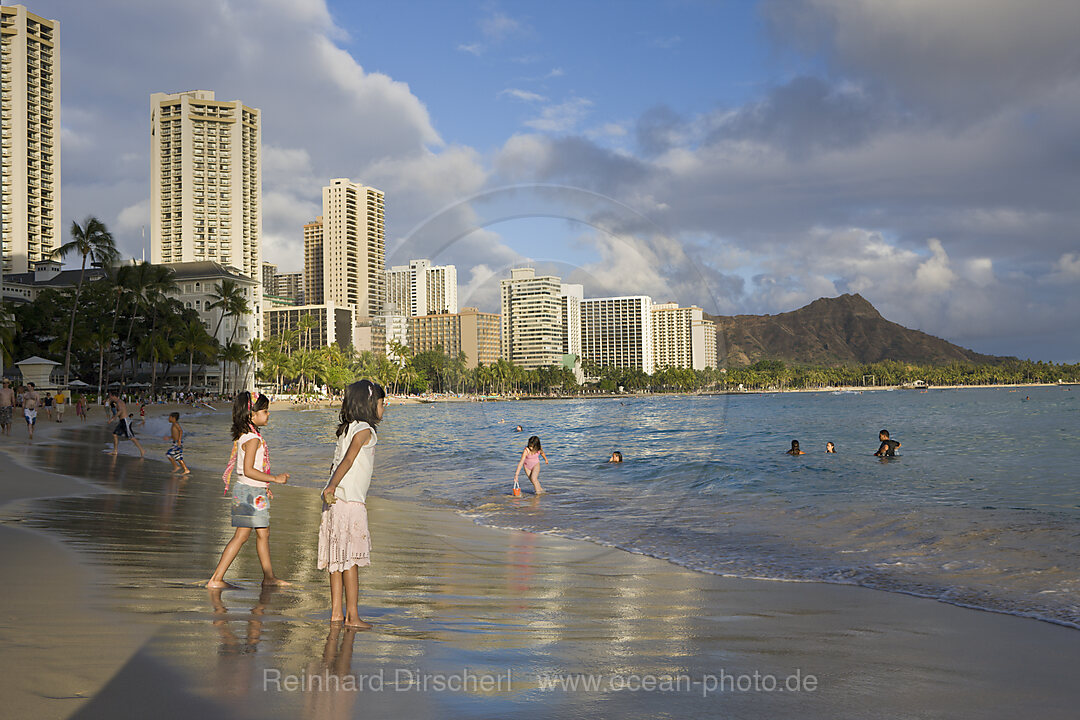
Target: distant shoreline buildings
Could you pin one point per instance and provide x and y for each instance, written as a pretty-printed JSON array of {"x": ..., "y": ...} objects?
[{"x": 206, "y": 224}]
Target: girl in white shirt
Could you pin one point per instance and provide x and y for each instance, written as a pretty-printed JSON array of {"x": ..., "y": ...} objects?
[
  {"x": 251, "y": 491},
  {"x": 344, "y": 542}
]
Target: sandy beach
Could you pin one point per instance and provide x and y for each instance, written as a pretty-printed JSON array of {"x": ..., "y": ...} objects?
[{"x": 104, "y": 617}]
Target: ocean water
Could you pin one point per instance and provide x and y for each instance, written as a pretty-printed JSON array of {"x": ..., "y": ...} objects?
[{"x": 981, "y": 508}]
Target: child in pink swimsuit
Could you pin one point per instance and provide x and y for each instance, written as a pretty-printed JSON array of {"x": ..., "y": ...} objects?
[{"x": 530, "y": 460}]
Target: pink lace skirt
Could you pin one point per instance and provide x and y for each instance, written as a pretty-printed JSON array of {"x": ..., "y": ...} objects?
[{"x": 343, "y": 537}]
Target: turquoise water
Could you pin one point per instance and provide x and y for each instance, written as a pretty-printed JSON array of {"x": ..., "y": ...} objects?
[{"x": 981, "y": 508}]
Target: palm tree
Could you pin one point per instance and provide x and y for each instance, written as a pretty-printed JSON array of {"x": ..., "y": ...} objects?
[
  {"x": 306, "y": 324},
  {"x": 232, "y": 354},
  {"x": 225, "y": 296},
  {"x": 101, "y": 339},
  {"x": 94, "y": 242},
  {"x": 256, "y": 349},
  {"x": 155, "y": 347},
  {"x": 194, "y": 340}
]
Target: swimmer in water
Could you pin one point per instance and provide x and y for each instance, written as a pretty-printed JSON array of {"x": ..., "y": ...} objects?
[
  {"x": 616, "y": 457},
  {"x": 795, "y": 449},
  {"x": 830, "y": 448},
  {"x": 888, "y": 447}
]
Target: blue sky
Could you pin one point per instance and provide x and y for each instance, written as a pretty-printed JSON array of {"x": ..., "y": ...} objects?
[
  {"x": 749, "y": 157},
  {"x": 465, "y": 59}
]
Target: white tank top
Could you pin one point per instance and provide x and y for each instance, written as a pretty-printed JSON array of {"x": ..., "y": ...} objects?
[
  {"x": 354, "y": 485},
  {"x": 258, "y": 464}
]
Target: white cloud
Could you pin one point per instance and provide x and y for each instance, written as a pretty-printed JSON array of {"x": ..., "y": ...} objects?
[
  {"x": 524, "y": 95},
  {"x": 472, "y": 48},
  {"x": 134, "y": 217},
  {"x": 498, "y": 26},
  {"x": 667, "y": 42},
  {"x": 561, "y": 118},
  {"x": 1066, "y": 270}
]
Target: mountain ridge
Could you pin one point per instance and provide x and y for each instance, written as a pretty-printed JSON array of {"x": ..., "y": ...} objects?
[{"x": 843, "y": 330}]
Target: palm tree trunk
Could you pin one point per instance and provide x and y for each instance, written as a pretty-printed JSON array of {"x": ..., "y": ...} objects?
[
  {"x": 101, "y": 370},
  {"x": 190, "y": 362},
  {"x": 71, "y": 328}
]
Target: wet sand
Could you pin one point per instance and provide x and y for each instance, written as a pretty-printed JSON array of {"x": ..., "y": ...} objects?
[{"x": 454, "y": 599}]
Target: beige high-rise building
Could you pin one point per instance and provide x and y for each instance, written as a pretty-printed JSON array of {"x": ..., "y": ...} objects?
[
  {"x": 421, "y": 288},
  {"x": 290, "y": 285},
  {"x": 470, "y": 331},
  {"x": 269, "y": 273},
  {"x": 682, "y": 337},
  {"x": 354, "y": 247},
  {"x": 313, "y": 261},
  {"x": 618, "y": 332},
  {"x": 205, "y": 181},
  {"x": 30, "y": 154},
  {"x": 532, "y": 319}
]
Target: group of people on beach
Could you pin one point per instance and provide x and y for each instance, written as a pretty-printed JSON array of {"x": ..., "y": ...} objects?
[
  {"x": 30, "y": 400},
  {"x": 887, "y": 448}
]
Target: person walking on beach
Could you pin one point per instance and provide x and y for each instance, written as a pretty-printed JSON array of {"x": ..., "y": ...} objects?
[
  {"x": 530, "y": 460},
  {"x": 888, "y": 447},
  {"x": 47, "y": 403},
  {"x": 251, "y": 493},
  {"x": 344, "y": 541},
  {"x": 61, "y": 403},
  {"x": 7, "y": 407},
  {"x": 80, "y": 408},
  {"x": 795, "y": 449},
  {"x": 176, "y": 452},
  {"x": 30, "y": 402}
]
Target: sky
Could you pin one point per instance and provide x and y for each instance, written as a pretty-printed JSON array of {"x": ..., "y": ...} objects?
[{"x": 748, "y": 157}]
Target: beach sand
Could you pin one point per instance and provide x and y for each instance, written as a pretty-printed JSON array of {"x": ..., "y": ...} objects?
[{"x": 115, "y": 623}]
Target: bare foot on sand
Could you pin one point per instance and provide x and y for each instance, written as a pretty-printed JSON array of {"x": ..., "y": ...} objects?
[
  {"x": 276, "y": 582},
  {"x": 212, "y": 584},
  {"x": 358, "y": 625},
  {"x": 337, "y": 619}
]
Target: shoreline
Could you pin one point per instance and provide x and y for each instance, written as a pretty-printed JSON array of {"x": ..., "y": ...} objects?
[{"x": 474, "y": 596}]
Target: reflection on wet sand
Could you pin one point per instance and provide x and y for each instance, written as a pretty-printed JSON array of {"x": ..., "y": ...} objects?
[{"x": 447, "y": 596}]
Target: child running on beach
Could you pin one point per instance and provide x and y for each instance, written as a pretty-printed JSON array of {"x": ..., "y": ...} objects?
[
  {"x": 344, "y": 542},
  {"x": 124, "y": 427},
  {"x": 251, "y": 494},
  {"x": 176, "y": 452},
  {"x": 530, "y": 460}
]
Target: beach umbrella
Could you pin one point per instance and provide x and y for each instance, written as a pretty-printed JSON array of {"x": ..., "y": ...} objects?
[{"x": 78, "y": 383}]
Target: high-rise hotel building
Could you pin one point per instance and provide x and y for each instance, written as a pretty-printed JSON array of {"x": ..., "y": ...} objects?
[
  {"x": 421, "y": 288},
  {"x": 354, "y": 247},
  {"x": 532, "y": 319},
  {"x": 682, "y": 337},
  {"x": 30, "y": 155},
  {"x": 205, "y": 181},
  {"x": 313, "y": 261},
  {"x": 618, "y": 332}
]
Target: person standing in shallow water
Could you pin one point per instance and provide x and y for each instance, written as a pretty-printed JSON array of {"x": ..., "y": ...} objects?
[
  {"x": 251, "y": 493},
  {"x": 530, "y": 461},
  {"x": 344, "y": 540}
]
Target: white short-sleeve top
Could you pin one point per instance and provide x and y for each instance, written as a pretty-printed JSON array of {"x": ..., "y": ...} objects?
[
  {"x": 260, "y": 455},
  {"x": 354, "y": 485}
]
